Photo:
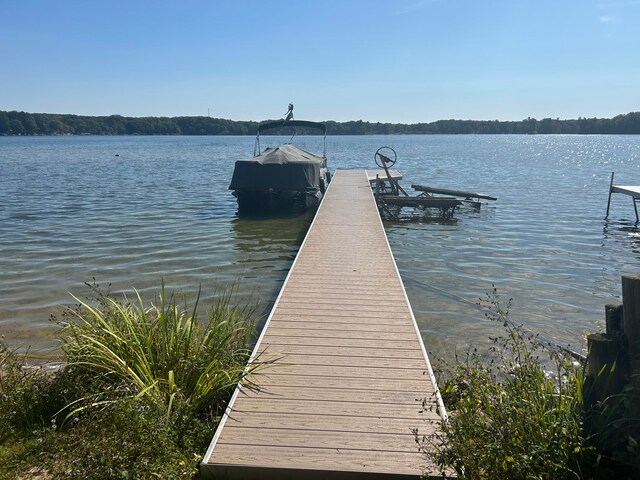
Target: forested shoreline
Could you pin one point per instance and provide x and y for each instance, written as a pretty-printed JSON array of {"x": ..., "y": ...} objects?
[{"x": 24, "y": 123}]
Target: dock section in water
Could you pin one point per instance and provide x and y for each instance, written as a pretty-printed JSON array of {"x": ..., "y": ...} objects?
[
  {"x": 631, "y": 190},
  {"x": 350, "y": 370}
]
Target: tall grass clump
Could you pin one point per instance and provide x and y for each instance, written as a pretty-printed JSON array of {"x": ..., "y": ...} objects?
[
  {"x": 514, "y": 412},
  {"x": 138, "y": 393},
  {"x": 163, "y": 354}
]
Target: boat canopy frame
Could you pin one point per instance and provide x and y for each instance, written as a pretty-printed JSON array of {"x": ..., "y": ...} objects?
[{"x": 290, "y": 123}]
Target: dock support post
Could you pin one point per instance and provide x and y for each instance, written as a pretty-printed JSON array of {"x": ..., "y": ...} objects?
[
  {"x": 613, "y": 318},
  {"x": 631, "y": 317},
  {"x": 614, "y": 355},
  {"x": 606, "y": 367},
  {"x": 609, "y": 202}
]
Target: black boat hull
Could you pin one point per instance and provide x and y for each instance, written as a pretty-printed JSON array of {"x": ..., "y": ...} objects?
[{"x": 252, "y": 201}]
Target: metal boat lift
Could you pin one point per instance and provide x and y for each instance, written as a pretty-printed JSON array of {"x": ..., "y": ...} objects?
[
  {"x": 391, "y": 197},
  {"x": 472, "y": 198}
]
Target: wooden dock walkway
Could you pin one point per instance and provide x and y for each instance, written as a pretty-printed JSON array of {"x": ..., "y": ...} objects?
[{"x": 346, "y": 390}]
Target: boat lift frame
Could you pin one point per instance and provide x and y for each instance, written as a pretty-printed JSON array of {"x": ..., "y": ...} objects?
[{"x": 388, "y": 192}]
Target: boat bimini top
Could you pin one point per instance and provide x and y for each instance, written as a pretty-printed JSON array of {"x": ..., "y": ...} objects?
[{"x": 278, "y": 124}]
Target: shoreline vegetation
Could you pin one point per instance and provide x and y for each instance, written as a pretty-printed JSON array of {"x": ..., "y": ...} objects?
[
  {"x": 521, "y": 410},
  {"x": 137, "y": 394},
  {"x": 14, "y": 123},
  {"x": 140, "y": 390}
]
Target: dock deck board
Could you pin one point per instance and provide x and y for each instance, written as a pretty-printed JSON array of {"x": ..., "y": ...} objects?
[
  {"x": 349, "y": 371},
  {"x": 631, "y": 190}
]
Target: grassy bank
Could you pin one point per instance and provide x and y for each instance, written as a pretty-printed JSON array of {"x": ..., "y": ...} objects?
[{"x": 138, "y": 394}]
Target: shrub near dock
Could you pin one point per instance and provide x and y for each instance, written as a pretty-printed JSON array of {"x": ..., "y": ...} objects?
[
  {"x": 138, "y": 395},
  {"x": 509, "y": 417}
]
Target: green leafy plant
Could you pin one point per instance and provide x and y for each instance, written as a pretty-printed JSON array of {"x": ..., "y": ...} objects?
[
  {"x": 614, "y": 428},
  {"x": 511, "y": 415},
  {"x": 25, "y": 396},
  {"x": 162, "y": 353},
  {"x": 138, "y": 393}
]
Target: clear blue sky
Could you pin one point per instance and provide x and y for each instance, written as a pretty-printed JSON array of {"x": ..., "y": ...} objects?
[{"x": 390, "y": 61}]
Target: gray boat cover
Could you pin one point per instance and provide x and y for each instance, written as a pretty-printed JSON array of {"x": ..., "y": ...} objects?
[{"x": 282, "y": 168}]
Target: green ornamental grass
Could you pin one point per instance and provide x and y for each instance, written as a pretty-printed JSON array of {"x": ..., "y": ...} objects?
[
  {"x": 164, "y": 354},
  {"x": 137, "y": 395}
]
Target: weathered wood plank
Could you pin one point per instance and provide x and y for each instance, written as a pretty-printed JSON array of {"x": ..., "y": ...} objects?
[
  {"x": 419, "y": 386},
  {"x": 305, "y": 393},
  {"x": 308, "y": 358},
  {"x": 347, "y": 298},
  {"x": 363, "y": 424},
  {"x": 346, "y": 316},
  {"x": 326, "y": 459},
  {"x": 370, "y": 344},
  {"x": 363, "y": 372},
  {"x": 332, "y": 330},
  {"x": 344, "y": 324},
  {"x": 374, "y": 322},
  {"x": 270, "y": 405},
  {"x": 364, "y": 295},
  {"x": 350, "y": 352},
  {"x": 278, "y": 437}
]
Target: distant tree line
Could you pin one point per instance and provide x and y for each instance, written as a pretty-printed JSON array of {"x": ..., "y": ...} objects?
[{"x": 23, "y": 123}]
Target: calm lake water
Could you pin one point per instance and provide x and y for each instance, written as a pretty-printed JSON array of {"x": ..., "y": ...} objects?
[{"x": 131, "y": 211}]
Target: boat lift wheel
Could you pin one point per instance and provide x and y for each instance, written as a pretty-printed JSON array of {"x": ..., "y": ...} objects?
[{"x": 385, "y": 161}]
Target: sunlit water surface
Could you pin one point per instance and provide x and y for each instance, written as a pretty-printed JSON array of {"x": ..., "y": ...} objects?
[{"x": 131, "y": 211}]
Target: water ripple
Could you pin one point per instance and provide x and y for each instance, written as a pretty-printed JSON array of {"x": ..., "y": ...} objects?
[{"x": 71, "y": 211}]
